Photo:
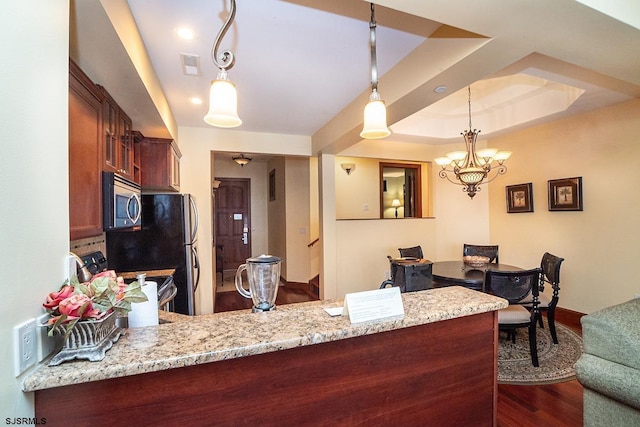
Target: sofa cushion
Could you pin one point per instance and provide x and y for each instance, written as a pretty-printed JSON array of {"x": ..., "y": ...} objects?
[
  {"x": 614, "y": 333},
  {"x": 614, "y": 380}
]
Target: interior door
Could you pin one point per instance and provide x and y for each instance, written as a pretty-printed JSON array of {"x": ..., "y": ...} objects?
[{"x": 233, "y": 221}]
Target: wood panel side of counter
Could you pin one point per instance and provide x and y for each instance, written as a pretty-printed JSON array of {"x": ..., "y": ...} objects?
[{"x": 441, "y": 373}]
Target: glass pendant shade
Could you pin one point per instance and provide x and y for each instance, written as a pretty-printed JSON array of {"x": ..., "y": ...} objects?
[
  {"x": 375, "y": 119},
  {"x": 223, "y": 103}
]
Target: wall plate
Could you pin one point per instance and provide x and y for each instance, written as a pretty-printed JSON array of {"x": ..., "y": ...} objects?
[{"x": 24, "y": 344}]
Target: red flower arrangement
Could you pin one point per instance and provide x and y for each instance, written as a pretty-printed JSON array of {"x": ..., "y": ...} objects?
[{"x": 103, "y": 294}]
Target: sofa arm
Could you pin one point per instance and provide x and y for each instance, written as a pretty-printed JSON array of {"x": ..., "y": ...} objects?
[
  {"x": 613, "y": 333},
  {"x": 619, "y": 382}
]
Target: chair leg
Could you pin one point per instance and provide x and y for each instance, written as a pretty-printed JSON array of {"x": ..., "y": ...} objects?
[
  {"x": 533, "y": 345},
  {"x": 551, "y": 319},
  {"x": 540, "y": 323}
]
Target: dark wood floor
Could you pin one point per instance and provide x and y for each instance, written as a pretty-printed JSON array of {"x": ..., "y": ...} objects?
[{"x": 552, "y": 405}]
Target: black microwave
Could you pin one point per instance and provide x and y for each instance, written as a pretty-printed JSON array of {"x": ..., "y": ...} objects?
[{"x": 121, "y": 202}]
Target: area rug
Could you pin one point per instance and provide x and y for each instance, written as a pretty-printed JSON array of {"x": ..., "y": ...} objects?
[{"x": 556, "y": 360}]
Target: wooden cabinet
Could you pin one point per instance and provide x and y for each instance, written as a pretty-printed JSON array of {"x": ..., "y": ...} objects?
[
  {"x": 117, "y": 144},
  {"x": 160, "y": 164},
  {"x": 85, "y": 155}
]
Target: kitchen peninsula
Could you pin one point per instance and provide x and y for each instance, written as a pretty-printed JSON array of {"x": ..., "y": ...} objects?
[{"x": 295, "y": 365}]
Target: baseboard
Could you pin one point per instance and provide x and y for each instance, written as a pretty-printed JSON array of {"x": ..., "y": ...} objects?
[{"x": 569, "y": 318}]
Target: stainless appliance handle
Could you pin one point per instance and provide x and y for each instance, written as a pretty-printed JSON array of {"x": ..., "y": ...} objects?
[
  {"x": 138, "y": 211},
  {"x": 196, "y": 266},
  {"x": 194, "y": 231}
]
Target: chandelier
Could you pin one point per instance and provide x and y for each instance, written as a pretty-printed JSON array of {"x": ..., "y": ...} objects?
[
  {"x": 375, "y": 112},
  {"x": 223, "y": 98},
  {"x": 473, "y": 167}
]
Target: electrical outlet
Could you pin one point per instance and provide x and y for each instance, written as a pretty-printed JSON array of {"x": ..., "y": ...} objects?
[
  {"x": 24, "y": 343},
  {"x": 45, "y": 344}
]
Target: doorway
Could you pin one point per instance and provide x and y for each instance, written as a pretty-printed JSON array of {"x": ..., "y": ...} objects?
[{"x": 232, "y": 224}]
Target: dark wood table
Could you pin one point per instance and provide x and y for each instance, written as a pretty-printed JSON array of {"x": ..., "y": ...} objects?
[{"x": 457, "y": 273}]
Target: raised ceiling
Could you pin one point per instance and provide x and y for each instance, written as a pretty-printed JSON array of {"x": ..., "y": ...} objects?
[{"x": 302, "y": 66}]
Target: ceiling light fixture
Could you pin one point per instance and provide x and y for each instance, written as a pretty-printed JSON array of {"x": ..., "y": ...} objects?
[
  {"x": 375, "y": 112},
  {"x": 241, "y": 160},
  {"x": 472, "y": 167},
  {"x": 223, "y": 98}
]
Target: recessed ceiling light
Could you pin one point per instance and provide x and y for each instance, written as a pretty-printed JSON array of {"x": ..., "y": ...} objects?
[
  {"x": 185, "y": 33},
  {"x": 440, "y": 89},
  {"x": 195, "y": 100}
]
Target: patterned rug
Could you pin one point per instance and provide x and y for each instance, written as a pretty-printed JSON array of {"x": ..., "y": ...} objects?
[{"x": 556, "y": 360}]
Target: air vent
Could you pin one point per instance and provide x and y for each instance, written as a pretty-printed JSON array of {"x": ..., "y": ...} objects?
[{"x": 190, "y": 64}]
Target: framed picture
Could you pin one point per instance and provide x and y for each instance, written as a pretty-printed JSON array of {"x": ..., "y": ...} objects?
[
  {"x": 272, "y": 185},
  {"x": 519, "y": 198},
  {"x": 565, "y": 194}
]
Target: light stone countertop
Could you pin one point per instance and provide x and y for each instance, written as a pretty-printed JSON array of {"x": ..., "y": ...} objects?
[{"x": 193, "y": 340}]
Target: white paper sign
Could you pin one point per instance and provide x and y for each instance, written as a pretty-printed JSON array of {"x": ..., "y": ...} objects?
[{"x": 373, "y": 305}]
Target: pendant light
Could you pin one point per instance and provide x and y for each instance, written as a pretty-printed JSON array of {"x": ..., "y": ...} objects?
[
  {"x": 223, "y": 98},
  {"x": 375, "y": 112}
]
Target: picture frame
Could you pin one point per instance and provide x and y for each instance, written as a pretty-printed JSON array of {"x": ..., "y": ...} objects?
[
  {"x": 519, "y": 198},
  {"x": 272, "y": 185},
  {"x": 565, "y": 194}
]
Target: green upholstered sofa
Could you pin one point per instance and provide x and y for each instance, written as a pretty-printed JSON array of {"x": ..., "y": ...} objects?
[{"x": 609, "y": 368}]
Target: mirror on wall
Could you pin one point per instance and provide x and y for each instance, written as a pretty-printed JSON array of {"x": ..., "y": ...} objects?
[{"x": 400, "y": 190}]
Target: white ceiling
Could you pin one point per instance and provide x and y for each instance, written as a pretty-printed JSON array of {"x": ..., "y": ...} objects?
[{"x": 302, "y": 64}]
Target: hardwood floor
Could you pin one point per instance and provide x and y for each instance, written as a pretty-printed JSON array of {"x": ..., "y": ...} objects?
[{"x": 551, "y": 405}]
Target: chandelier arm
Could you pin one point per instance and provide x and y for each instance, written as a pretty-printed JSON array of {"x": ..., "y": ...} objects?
[
  {"x": 227, "y": 59},
  {"x": 372, "y": 43},
  {"x": 443, "y": 174},
  {"x": 500, "y": 170}
]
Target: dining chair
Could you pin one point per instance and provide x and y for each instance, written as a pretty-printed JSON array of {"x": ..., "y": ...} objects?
[
  {"x": 412, "y": 252},
  {"x": 490, "y": 251},
  {"x": 550, "y": 265},
  {"x": 514, "y": 286}
]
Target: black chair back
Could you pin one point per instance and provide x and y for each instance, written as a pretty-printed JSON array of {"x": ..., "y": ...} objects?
[
  {"x": 513, "y": 286},
  {"x": 490, "y": 251},
  {"x": 550, "y": 266}
]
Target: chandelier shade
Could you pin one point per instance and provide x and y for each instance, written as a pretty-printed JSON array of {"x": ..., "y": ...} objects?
[
  {"x": 472, "y": 167},
  {"x": 375, "y": 112},
  {"x": 223, "y": 98}
]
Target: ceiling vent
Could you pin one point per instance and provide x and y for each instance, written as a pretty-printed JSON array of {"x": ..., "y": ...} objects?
[{"x": 190, "y": 64}]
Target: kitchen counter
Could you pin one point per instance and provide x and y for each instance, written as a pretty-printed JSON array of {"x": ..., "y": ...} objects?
[{"x": 193, "y": 340}]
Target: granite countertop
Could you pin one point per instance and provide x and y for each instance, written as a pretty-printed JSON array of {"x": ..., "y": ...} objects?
[{"x": 181, "y": 340}]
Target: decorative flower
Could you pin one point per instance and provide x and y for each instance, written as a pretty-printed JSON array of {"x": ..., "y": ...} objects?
[{"x": 103, "y": 294}]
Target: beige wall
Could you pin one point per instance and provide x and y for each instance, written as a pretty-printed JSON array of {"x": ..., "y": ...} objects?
[
  {"x": 196, "y": 145},
  {"x": 34, "y": 207},
  {"x": 277, "y": 214},
  {"x": 599, "y": 243},
  {"x": 297, "y": 193}
]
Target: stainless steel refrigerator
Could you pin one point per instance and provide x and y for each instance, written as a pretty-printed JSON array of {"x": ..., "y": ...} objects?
[{"x": 166, "y": 240}]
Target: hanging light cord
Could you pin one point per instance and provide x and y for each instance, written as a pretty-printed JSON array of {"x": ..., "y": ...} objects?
[
  {"x": 372, "y": 42},
  {"x": 227, "y": 59}
]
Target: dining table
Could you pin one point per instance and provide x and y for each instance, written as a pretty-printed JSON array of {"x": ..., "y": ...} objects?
[{"x": 457, "y": 273}]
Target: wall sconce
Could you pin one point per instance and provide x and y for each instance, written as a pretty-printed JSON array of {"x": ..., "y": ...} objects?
[
  {"x": 396, "y": 204},
  {"x": 348, "y": 167},
  {"x": 241, "y": 160}
]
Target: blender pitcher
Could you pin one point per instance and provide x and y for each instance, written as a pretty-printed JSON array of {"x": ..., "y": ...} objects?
[{"x": 263, "y": 273}]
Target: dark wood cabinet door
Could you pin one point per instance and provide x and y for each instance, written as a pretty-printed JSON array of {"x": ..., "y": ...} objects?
[
  {"x": 159, "y": 164},
  {"x": 85, "y": 157}
]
